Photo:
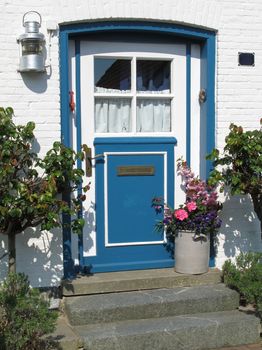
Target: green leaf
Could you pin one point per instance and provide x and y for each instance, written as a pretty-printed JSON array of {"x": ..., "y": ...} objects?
[
  {"x": 15, "y": 213},
  {"x": 213, "y": 155}
]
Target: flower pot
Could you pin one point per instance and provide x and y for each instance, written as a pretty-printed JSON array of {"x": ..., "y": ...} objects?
[{"x": 191, "y": 252}]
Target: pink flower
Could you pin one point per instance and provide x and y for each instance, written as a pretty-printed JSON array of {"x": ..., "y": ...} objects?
[
  {"x": 191, "y": 206},
  {"x": 181, "y": 214}
]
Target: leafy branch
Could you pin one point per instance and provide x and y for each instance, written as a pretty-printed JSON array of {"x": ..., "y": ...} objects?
[
  {"x": 240, "y": 165},
  {"x": 32, "y": 190}
]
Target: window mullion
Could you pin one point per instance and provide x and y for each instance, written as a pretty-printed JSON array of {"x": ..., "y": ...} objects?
[{"x": 133, "y": 91}]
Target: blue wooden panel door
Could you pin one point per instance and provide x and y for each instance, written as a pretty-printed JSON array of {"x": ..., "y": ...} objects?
[{"x": 131, "y": 172}]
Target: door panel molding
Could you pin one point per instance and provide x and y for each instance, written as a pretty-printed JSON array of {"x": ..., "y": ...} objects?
[{"x": 119, "y": 244}]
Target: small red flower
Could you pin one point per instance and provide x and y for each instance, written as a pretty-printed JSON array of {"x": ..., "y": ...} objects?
[
  {"x": 191, "y": 206},
  {"x": 181, "y": 214}
]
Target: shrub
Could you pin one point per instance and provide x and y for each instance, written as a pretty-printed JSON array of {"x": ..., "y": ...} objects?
[
  {"x": 24, "y": 315},
  {"x": 240, "y": 165},
  {"x": 245, "y": 276},
  {"x": 34, "y": 192}
]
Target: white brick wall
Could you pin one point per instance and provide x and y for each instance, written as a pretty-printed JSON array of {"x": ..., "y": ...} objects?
[
  {"x": 239, "y": 96},
  {"x": 238, "y": 100}
]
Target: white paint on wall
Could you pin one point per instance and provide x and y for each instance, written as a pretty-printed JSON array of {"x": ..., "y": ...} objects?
[
  {"x": 38, "y": 256},
  {"x": 37, "y": 97},
  {"x": 240, "y": 228}
]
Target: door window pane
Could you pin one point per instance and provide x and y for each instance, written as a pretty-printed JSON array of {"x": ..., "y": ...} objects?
[
  {"x": 153, "y": 115},
  {"x": 112, "y": 115},
  {"x": 153, "y": 76},
  {"x": 112, "y": 75}
]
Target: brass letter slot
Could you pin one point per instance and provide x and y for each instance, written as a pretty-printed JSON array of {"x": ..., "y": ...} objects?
[{"x": 136, "y": 170}]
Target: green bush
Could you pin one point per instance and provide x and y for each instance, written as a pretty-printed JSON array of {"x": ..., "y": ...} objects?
[
  {"x": 239, "y": 166},
  {"x": 24, "y": 315},
  {"x": 245, "y": 276},
  {"x": 34, "y": 191}
]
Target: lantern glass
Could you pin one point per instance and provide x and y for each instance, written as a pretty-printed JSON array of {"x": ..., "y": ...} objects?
[{"x": 31, "y": 47}]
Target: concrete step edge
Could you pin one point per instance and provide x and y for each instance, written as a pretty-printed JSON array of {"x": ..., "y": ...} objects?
[
  {"x": 149, "y": 304},
  {"x": 136, "y": 280},
  {"x": 187, "y": 332}
]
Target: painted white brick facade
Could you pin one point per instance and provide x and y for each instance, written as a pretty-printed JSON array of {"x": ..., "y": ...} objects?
[{"x": 238, "y": 97}]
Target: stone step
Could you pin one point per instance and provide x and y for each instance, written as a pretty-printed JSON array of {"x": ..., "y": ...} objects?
[
  {"x": 185, "y": 332},
  {"x": 111, "y": 282},
  {"x": 114, "y": 307}
]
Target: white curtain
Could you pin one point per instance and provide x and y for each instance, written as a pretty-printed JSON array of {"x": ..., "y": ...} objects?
[
  {"x": 153, "y": 115},
  {"x": 112, "y": 115}
]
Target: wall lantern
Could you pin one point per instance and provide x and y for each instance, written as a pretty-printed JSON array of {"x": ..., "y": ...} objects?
[{"x": 31, "y": 45}]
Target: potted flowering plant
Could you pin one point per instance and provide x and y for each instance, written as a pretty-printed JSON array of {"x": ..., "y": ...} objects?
[{"x": 192, "y": 223}]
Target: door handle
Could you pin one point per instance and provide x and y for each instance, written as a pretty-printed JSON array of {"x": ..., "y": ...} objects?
[
  {"x": 101, "y": 155},
  {"x": 89, "y": 158}
]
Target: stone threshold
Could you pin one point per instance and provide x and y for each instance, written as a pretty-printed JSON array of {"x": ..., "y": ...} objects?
[{"x": 121, "y": 281}]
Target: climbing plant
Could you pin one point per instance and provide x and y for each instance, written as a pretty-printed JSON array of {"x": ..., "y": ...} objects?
[
  {"x": 239, "y": 166},
  {"x": 32, "y": 190}
]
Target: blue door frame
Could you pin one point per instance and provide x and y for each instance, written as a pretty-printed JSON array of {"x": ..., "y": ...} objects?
[{"x": 207, "y": 38}]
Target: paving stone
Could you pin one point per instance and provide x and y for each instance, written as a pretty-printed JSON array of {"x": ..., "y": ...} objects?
[
  {"x": 65, "y": 337},
  {"x": 186, "y": 332},
  {"x": 111, "y": 282},
  {"x": 149, "y": 304}
]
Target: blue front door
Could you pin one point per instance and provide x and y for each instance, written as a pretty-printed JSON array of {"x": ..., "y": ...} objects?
[
  {"x": 133, "y": 105},
  {"x": 128, "y": 86},
  {"x": 129, "y": 174}
]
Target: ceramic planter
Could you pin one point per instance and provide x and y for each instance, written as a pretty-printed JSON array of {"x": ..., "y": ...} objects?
[{"x": 191, "y": 252}]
